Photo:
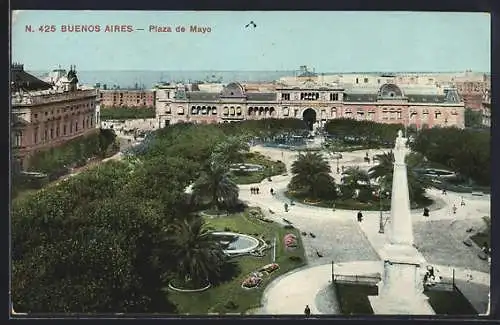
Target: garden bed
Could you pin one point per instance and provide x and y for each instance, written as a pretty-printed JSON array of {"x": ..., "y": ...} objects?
[
  {"x": 271, "y": 168},
  {"x": 349, "y": 204},
  {"x": 229, "y": 297}
]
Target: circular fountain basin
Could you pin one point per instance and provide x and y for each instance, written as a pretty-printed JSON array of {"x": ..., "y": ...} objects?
[
  {"x": 246, "y": 167},
  {"x": 243, "y": 243}
]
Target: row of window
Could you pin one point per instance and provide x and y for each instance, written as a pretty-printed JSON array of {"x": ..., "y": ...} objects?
[
  {"x": 310, "y": 96},
  {"x": 68, "y": 129},
  {"x": 65, "y": 109}
]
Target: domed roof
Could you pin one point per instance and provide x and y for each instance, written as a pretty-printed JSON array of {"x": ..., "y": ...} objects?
[{"x": 233, "y": 89}]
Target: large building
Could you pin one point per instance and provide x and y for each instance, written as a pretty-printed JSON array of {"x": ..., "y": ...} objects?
[
  {"x": 126, "y": 98},
  {"x": 471, "y": 86},
  {"x": 418, "y": 106},
  {"x": 46, "y": 115}
]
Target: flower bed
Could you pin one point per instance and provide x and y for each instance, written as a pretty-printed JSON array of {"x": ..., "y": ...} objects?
[
  {"x": 290, "y": 241},
  {"x": 309, "y": 201},
  {"x": 253, "y": 281},
  {"x": 270, "y": 268}
]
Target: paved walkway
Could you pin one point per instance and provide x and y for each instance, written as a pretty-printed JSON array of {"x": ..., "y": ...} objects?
[{"x": 354, "y": 246}]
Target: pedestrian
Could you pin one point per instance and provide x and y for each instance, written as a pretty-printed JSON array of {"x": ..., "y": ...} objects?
[
  {"x": 307, "y": 311},
  {"x": 454, "y": 209},
  {"x": 252, "y": 190},
  {"x": 462, "y": 202},
  {"x": 333, "y": 207},
  {"x": 286, "y": 207},
  {"x": 272, "y": 191},
  {"x": 426, "y": 212},
  {"x": 444, "y": 191},
  {"x": 257, "y": 190},
  {"x": 360, "y": 216},
  {"x": 338, "y": 170}
]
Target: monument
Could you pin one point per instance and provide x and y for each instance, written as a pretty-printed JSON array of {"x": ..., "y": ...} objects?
[{"x": 400, "y": 292}]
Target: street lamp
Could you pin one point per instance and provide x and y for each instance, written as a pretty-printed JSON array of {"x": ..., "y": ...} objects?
[{"x": 381, "y": 229}]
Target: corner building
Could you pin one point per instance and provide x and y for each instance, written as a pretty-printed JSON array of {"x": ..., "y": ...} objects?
[
  {"x": 419, "y": 107},
  {"x": 46, "y": 115}
]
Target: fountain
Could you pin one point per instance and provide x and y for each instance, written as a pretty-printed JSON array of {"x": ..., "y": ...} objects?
[
  {"x": 238, "y": 243},
  {"x": 401, "y": 287}
]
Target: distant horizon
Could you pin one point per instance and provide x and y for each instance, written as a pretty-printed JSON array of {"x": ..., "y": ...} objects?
[
  {"x": 243, "y": 70},
  {"x": 339, "y": 41}
]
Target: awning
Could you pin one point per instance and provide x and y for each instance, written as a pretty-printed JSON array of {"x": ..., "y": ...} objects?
[{"x": 180, "y": 110}]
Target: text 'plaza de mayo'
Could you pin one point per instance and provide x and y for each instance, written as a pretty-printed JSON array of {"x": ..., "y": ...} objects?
[{"x": 412, "y": 100}]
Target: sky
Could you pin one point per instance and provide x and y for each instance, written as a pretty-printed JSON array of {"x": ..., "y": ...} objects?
[{"x": 282, "y": 40}]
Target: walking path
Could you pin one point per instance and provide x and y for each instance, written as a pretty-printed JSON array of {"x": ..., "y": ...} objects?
[{"x": 354, "y": 246}]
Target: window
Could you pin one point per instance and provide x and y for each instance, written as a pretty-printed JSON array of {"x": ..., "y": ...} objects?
[
  {"x": 285, "y": 96},
  {"x": 70, "y": 128},
  {"x": 437, "y": 114},
  {"x": 57, "y": 131},
  {"x": 19, "y": 139},
  {"x": 334, "y": 96},
  {"x": 366, "y": 80},
  {"x": 91, "y": 121},
  {"x": 51, "y": 133},
  {"x": 35, "y": 136},
  {"x": 76, "y": 126},
  {"x": 64, "y": 129},
  {"x": 45, "y": 135},
  {"x": 399, "y": 115},
  {"x": 36, "y": 115},
  {"x": 357, "y": 80}
]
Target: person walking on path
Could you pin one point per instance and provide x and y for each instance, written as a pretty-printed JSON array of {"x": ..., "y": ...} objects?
[
  {"x": 272, "y": 191},
  {"x": 257, "y": 190},
  {"x": 360, "y": 216},
  {"x": 454, "y": 209},
  {"x": 307, "y": 311}
]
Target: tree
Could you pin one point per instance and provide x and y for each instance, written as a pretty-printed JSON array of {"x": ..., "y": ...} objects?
[
  {"x": 311, "y": 174},
  {"x": 216, "y": 185},
  {"x": 102, "y": 260},
  {"x": 199, "y": 254},
  {"x": 354, "y": 176},
  {"x": 383, "y": 171},
  {"x": 230, "y": 150},
  {"x": 473, "y": 118}
]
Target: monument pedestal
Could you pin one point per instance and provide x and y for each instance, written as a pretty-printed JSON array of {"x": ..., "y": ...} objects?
[{"x": 401, "y": 289}]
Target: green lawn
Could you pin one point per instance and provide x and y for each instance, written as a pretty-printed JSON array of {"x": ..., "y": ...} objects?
[
  {"x": 271, "y": 168},
  {"x": 219, "y": 299},
  {"x": 353, "y": 298},
  {"x": 450, "y": 303}
]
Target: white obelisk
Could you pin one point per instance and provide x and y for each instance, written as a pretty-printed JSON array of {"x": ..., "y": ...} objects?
[{"x": 401, "y": 288}]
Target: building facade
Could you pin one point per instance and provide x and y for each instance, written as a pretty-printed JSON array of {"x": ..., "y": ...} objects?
[
  {"x": 317, "y": 103},
  {"x": 126, "y": 98},
  {"x": 47, "y": 115}
]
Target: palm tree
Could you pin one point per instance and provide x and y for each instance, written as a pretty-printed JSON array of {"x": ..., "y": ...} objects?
[
  {"x": 215, "y": 184},
  {"x": 354, "y": 175},
  {"x": 198, "y": 254},
  {"x": 383, "y": 171},
  {"x": 311, "y": 174},
  {"x": 230, "y": 150}
]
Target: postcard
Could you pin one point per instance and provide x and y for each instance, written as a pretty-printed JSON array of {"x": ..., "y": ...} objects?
[{"x": 250, "y": 163}]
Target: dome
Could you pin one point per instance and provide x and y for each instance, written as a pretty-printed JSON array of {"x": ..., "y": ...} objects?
[{"x": 233, "y": 89}]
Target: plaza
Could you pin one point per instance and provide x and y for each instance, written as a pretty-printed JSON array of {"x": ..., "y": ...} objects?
[{"x": 354, "y": 246}]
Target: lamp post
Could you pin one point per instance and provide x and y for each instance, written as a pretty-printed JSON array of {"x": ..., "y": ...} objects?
[{"x": 381, "y": 228}]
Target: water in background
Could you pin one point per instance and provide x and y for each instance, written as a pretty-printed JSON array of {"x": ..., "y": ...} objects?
[{"x": 148, "y": 79}]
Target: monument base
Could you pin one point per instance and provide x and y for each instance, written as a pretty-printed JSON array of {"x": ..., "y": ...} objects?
[{"x": 401, "y": 288}]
